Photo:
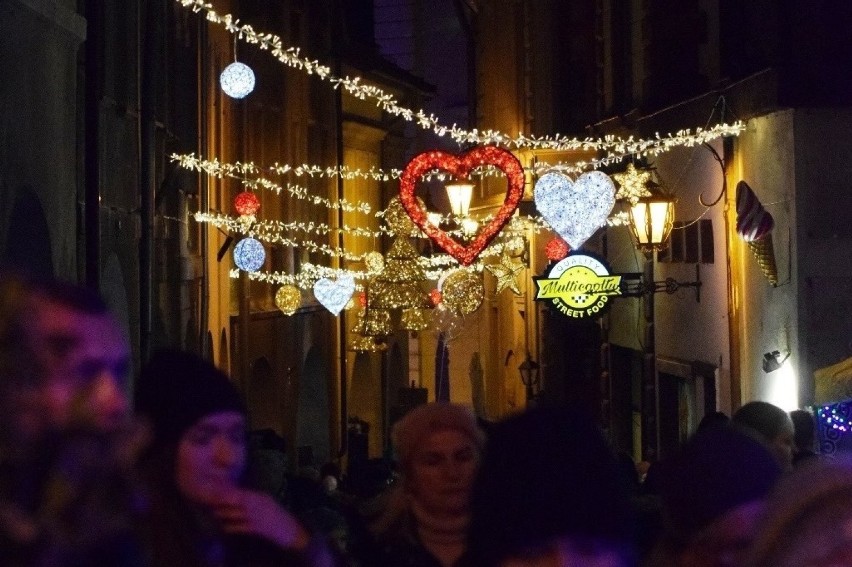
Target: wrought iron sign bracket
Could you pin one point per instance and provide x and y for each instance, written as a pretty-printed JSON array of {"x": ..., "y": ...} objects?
[{"x": 633, "y": 285}]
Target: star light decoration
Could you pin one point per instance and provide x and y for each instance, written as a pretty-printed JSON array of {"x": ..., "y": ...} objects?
[
  {"x": 460, "y": 167},
  {"x": 632, "y": 184},
  {"x": 506, "y": 271},
  {"x": 249, "y": 254}
]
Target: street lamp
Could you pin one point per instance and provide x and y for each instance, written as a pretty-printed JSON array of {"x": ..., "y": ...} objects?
[
  {"x": 529, "y": 375},
  {"x": 651, "y": 221},
  {"x": 459, "y": 193}
]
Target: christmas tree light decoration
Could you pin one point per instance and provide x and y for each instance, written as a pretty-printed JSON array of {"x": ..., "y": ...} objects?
[
  {"x": 374, "y": 262},
  {"x": 505, "y": 272},
  {"x": 249, "y": 254},
  {"x": 414, "y": 319},
  {"x": 399, "y": 284},
  {"x": 463, "y": 291},
  {"x": 435, "y": 297},
  {"x": 288, "y": 299},
  {"x": 398, "y": 220},
  {"x": 575, "y": 210},
  {"x": 362, "y": 343},
  {"x": 460, "y": 167},
  {"x": 556, "y": 249},
  {"x": 333, "y": 295},
  {"x": 246, "y": 203},
  {"x": 237, "y": 80},
  {"x": 376, "y": 322},
  {"x": 632, "y": 184}
]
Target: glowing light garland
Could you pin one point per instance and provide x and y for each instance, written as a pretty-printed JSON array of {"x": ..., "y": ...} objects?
[
  {"x": 240, "y": 171},
  {"x": 290, "y": 56},
  {"x": 834, "y": 419}
]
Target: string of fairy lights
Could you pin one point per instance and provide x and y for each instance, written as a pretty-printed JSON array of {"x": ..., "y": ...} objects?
[{"x": 304, "y": 234}]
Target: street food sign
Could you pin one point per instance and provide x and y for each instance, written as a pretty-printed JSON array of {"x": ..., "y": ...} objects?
[{"x": 579, "y": 286}]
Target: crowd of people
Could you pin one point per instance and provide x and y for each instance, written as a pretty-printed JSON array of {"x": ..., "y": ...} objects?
[{"x": 168, "y": 475}]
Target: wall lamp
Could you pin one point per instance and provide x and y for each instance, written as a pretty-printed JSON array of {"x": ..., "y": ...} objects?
[
  {"x": 459, "y": 193},
  {"x": 772, "y": 361},
  {"x": 651, "y": 220},
  {"x": 529, "y": 375}
]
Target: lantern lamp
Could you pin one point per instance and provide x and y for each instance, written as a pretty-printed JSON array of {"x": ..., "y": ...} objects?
[
  {"x": 459, "y": 193},
  {"x": 651, "y": 221}
]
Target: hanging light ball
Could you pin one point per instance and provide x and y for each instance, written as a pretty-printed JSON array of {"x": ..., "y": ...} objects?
[
  {"x": 246, "y": 203},
  {"x": 515, "y": 246},
  {"x": 435, "y": 297},
  {"x": 362, "y": 299},
  {"x": 374, "y": 262},
  {"x": 463, "y": 291},
  {"x": 288, "y": 298},
  {"x": 249, "y": 254},
  {"x": 556, "y": 249},
  {"x": 237, "y": 80}
]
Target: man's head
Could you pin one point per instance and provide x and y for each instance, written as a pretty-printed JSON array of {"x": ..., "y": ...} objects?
[{"x": 83, "y": 355}]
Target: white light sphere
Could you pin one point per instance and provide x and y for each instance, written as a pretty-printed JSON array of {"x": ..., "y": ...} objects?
[
  {"x": 249, "y": 254},
  {"x": 237, "y": 80}
]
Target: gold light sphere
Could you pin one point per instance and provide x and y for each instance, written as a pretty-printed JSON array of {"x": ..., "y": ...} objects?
[
  {"x": 288, "y": 299},
  {"x": 463, "y": 291}
]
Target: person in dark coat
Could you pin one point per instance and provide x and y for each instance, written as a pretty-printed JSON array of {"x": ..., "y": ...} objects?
[
  {"x": 425, "y": 519},
  {"x": 202, "y": 514}
]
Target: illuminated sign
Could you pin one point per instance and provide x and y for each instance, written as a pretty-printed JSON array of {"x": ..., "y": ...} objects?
[{"x": 579, "y": 286}]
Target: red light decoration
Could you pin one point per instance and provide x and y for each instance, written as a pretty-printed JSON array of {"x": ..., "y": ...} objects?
[
  {"x": 460, "y": 167},
  {"x": 246, "y": 203},
  {"x": 436, "y": 297},
  {"x": 362, "y": 299},
  {"x": 556, "y": 249}
]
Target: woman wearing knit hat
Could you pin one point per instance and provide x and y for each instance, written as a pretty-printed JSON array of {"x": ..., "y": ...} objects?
[
  {"x": 201, "y": 512},
  {"x": 438, "y": 447}
]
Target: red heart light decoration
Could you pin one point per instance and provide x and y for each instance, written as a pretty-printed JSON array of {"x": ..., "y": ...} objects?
[{"x": 460, "y": 167}]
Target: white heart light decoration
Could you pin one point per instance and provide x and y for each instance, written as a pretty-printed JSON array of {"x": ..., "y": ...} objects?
[
  {"x": 334, "y": 294},
  {"x": 575, "y": 210}
]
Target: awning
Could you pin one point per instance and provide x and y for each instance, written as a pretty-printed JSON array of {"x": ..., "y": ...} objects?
[{"x": 833, "y": 383}]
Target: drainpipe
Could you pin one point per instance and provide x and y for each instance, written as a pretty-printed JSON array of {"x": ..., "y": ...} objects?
[
  {"x": 149, "y": 35},
  {"x": 91, "y": 159},
  {"x": 341, "y": 320},
  {"x": 203, "y": 188}
]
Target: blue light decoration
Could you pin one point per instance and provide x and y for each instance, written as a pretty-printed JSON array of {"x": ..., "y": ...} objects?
[
  {"x": 249, "y": 254},
  {"x": 835, "y": 422},
  {"x": 237, "y": 80}
]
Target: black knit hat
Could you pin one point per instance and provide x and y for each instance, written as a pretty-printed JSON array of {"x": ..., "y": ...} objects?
[
  {"x": 717, "y": 470},
  {"x": 176, "y": 389}
]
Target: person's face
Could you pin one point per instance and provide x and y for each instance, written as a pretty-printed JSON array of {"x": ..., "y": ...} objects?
[
  {"x": 85, "y": 359},
  {"x": 211, "y": 456},
  {"x": 442, "y": 471},
  {"x": 782, "y": 446}
]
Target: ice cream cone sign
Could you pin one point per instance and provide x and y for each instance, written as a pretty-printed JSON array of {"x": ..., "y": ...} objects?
[{"x": 754, "y": 225}]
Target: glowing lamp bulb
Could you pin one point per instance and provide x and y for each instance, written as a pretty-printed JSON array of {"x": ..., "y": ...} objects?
[
  {"x": 249, "y": 254},
  {"x": 237, "y": 80},
  {"x": 246, "y": 203}
]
